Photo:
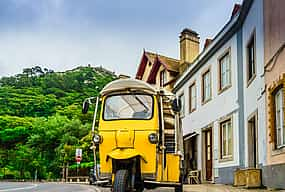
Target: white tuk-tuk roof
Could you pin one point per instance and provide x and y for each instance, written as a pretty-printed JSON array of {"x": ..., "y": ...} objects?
[{"x": 131, "y": 84}]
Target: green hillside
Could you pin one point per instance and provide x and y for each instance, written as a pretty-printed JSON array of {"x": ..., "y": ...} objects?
[{"x": 41, "y": 123}]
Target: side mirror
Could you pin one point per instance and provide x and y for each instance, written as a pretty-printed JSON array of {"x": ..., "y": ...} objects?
[
  {"x": 85, "y": 106},
  {"x": 176, "y": 105}
]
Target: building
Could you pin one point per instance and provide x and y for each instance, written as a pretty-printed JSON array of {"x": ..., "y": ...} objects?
[
  {"x": 274, "y": 73},
  {"x": 232, "y": 94},
  {"x": 252, "y": 54},
  {"x": 158, "y": 70},
  {"x": 224, "y": 100},
  {"x": 162, "y": 71}
]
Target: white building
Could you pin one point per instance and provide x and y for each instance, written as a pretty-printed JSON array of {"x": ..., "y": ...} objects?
[{"x": 223, "y": 98}]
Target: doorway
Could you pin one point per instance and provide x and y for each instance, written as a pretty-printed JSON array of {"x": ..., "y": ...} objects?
[
  {"x": 190, "y": 151},
  {"x": 252, "y": 141},
  {"x": 208, "y": 154}
]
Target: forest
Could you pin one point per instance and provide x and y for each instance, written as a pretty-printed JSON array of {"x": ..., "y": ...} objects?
[{"x": 41, "y": 123}]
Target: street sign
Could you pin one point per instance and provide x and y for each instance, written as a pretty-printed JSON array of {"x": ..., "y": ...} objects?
[
  {"x": 78, "y": 152},
  {"x": 78, "y": 155}
]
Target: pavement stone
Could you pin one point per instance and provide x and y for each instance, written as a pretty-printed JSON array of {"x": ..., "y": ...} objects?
[{"x": 221, "y": 188}]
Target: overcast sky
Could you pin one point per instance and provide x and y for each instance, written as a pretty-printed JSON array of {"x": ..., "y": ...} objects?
[{"x": 63, "y": 34}]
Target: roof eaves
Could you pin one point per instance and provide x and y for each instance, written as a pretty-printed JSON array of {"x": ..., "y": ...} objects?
[{"x": 227, "y": 31}]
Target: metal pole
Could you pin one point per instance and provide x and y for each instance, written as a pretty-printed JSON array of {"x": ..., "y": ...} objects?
[
  {"x": 93, "y": 144},
  {"x": 162, "y": 138},
  {"x": 95, "y": 114}
]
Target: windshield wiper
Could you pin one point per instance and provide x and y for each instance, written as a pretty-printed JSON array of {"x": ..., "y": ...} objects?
[{"x": 141, "y": 102}]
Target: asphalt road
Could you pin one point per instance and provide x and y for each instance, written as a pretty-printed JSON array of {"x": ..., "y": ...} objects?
[{"x": 58, "y": 187}]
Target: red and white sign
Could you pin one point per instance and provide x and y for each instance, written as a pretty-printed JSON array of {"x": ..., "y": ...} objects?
[{"x": 78, "y": 155}]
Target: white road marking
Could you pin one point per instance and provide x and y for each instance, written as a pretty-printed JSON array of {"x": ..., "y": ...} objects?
[{"x": 20, "y": 188}]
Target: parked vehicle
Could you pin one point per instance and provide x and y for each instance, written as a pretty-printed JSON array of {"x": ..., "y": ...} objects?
[{"x": 139, "y": 137}]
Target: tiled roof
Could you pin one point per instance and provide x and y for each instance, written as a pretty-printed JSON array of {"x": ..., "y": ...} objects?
[{"x": 169, "y": 63}]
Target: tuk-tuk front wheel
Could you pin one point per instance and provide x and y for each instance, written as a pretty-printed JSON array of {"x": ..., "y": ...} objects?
[
  {"x": 179, "y": 189},
  {"x": 121, "y": 182}
]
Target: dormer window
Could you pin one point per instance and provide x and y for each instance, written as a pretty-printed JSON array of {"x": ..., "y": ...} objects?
[{"x": 163, "y": 78}]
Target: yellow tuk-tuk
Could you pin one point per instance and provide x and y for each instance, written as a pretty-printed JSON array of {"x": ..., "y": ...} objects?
[{"x": 139, "y": 137}]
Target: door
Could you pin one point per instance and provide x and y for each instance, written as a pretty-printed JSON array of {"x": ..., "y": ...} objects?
[
  {"x": 252, "y": 142},
  {"x": 208, "y": 154}
]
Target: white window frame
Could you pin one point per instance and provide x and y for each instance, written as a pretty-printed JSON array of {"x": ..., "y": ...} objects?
[
  {"x": 227, "y": 154},
  {"x": 182, "y": 100},
  {"x": 163, "y": 78},
  {"x": 279, "y": 117},
  {"x": 206, "y": 86},
  {"x": 192, "y": 97},
  {"x": 225, "y": 71}
]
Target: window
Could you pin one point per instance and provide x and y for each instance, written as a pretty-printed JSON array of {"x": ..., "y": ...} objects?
[
  {"x": 206, "y": 86},
  {"x": 251, "y": 69},
  {"x": 182, "y": 101},
  {"x": 226, "y": 139},
  {"x": 163, "y": 78},
  {"x": 224, "y": 71},
  {"x": 279, "y": 118},
  {"x": 128, "y": 106},
  {"x": 192, "y": 97}
]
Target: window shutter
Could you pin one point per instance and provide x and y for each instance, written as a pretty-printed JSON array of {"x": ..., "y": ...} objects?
[
  {"x": 271, "y": 117},
  {"x": 283, "y": 104}
]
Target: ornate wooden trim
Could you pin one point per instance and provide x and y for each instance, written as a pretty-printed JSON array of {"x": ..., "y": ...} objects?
[{"x": 271, "y": 105}]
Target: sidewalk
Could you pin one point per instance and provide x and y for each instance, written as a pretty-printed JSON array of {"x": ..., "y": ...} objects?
[{"x": 220, "y": 188}]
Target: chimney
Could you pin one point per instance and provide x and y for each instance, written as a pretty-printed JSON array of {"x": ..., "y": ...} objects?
[
  {"x": 207, "y": 42},
  {"x": 236, "y": 10},
  {"x": 189, "y": 48}
]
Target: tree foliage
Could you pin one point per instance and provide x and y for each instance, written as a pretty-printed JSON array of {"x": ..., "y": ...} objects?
[{"x": 41, "y": 123}]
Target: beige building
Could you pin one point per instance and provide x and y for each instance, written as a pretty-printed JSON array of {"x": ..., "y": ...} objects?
[
  {"x": 162, "y": 71},
  {"x": 274, "y": 29}
]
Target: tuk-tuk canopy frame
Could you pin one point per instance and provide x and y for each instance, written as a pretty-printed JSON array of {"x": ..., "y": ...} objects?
[{"x": 121, "y": 85}]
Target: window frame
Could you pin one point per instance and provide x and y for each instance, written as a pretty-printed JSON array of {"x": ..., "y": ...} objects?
[
  {"x": 251, "y": 41},
  {"x": 204, "y": 101},
  {"x": 162, "y": 77},
  {"x": 227, "y": 53},
  {"x": 182, "y": 112},
  {"x": 117, "y": 94},
  {"x": 282, "y": 125},
  {"x": 227, "y": 157},
  {"x": 192, "y": 85}
]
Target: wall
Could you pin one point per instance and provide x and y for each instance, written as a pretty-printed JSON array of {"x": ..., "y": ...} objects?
[
  {"x": 274, "y": 17},
  {"x": 169, "y": 78},
  {"x": 254, "y": 97},
  {"x": 220, "y": 106},
  {"x": 147, "y": 71}
]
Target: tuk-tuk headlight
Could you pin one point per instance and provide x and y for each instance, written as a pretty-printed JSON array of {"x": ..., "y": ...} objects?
[
  {"x": 153, "y": 138},
  {"x": 97, "y": 139}
]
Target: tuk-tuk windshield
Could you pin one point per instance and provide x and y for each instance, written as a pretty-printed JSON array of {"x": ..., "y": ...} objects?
[{"x": 128, "y": 106}]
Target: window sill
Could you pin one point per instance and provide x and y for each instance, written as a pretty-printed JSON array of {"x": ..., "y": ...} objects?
[
  {"x": 206, "y": 101},
  {"x": 279, "y": 150},
  {"x": 226, "y": 159},
  {"x": 192, "y": 110},
  {"x": 220, "y": 91},
  {"x": 250, "y": 80}
]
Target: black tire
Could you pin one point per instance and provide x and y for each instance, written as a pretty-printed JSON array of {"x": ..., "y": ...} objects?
[
  {"x": 121, "y": 181},
  {"x": 91, "y": 180},
  {"x": 179, "y": 188}
]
